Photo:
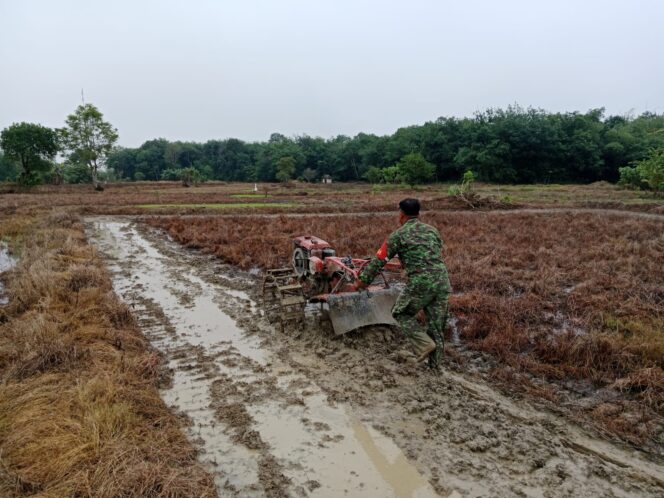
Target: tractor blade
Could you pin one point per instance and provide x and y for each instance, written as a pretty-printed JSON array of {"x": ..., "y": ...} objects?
[{"x": 352, "y": 310}]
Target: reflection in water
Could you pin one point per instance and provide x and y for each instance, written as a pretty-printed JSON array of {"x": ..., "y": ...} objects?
[{"x": 392, "y": 464}]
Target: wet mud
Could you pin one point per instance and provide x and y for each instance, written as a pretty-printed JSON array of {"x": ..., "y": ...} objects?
[
  {"x": 263, "y": 428},
  {"x": 306, "y": 413}
]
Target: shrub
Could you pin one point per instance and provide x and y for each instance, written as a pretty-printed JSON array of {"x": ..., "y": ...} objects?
[
  {"x": 466, "y": 186},
  {"x": 645, "y": 174},
  {"x": 468, "y": 180},
  {"x": 630, "y": 177},
  {"x": 454, "y": 190},
  {"x": 77, "y": 173},
  {"x": 374, "y": 175},
  {"x": 415, "y": 169},
  {"x": 393, "y": 175},
  {"x": 171, "y": 174},
  {"x": 190, "y": 176},
  {"x": 651, "y": 170}
]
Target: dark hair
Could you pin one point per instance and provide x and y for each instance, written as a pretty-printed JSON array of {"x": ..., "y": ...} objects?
[{"x": 410, "y": 207}]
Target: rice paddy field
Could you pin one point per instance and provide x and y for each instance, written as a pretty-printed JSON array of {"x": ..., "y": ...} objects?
[{"x": 136, "y": 360}]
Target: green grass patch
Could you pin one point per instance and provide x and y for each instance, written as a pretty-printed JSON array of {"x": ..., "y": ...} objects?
[
  {"x": 250, "y": 196},
  {"x": 227, "y": 205}
]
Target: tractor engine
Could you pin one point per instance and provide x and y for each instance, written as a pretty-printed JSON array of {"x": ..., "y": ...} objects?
[{"x": 318, "y": 275}]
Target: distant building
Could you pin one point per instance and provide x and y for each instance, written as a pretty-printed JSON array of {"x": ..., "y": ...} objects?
[{"x": 327, "y": 179}]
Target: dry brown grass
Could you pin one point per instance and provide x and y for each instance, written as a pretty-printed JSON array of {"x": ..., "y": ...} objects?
[
  {"x": 557, "y": 296},
  {"x": 80, "y": 412},
  {"x": 123, "y": 198},
  {"x": 175, "y": 199}
]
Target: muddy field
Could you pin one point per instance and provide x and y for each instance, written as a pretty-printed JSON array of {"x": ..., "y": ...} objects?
[
  {"x": 569, "y": 303},
  {"x": 303, "y": 413}
]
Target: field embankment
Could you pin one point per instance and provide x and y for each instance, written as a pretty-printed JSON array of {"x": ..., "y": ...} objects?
[
  {"x": 80, "y": 412},
  {"x": 218, "y": 197},
  {"x": 570, "y": 305}
]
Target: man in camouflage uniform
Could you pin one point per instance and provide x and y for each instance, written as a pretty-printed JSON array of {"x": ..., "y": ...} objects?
[{"x": 419, "y": 248}]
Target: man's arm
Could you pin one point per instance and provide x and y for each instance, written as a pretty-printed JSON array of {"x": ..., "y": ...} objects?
[{"x": 386, "y": 252}]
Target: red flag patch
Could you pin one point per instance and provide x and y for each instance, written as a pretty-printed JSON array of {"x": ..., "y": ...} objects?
[{"x": 382, "y": 252}]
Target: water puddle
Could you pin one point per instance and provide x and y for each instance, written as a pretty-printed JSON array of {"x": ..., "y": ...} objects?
[
  {"x": 7, "y": 262},
  {"x": 391, "y": 463},
  {"x": 188, "y": 301},
  {"x": 239, "y": 294},
  {"x": 321, "y": 449},
  {"x": 192, "y": 396}
]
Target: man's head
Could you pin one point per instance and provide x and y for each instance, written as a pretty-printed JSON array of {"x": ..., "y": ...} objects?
[{"x": 408, "y": 208}]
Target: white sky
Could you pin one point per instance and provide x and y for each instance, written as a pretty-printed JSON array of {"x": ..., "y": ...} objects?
[{"x": 205, "y": 69}]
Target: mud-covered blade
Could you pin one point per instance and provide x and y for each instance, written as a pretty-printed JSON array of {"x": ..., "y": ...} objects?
[{"x": 351, "y": 310}]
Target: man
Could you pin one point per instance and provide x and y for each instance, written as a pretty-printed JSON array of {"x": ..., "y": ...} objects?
[{"x": 419, "y": 248}]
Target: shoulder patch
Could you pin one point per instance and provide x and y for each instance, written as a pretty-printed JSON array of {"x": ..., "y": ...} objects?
[{"x": 382, "y": 252}]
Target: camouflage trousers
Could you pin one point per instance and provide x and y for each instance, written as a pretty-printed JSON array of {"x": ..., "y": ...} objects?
[{"x": 429, "y": 294}]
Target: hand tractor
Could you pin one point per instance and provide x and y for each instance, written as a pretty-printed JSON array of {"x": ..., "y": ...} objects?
[{"x": 318, "y": 275}]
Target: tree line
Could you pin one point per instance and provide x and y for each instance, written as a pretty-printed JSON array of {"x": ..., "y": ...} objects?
[
  {"x": 512, "y": 145},
  {"x": 29, "y": 150}
]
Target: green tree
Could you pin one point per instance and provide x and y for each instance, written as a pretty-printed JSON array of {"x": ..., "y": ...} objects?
[
  {"x": 512, "y": 145},
  {"x": 630, "y": 177},
  {"x": 309, "y": 174},
  {"x": 77, "y": 173},
  {"x": 89, "y": 139},
  {"x": 190, "y": 176},
  {"x": 123, "y": 162},
  {"x": 56, "y": 175},
  {"x": 150, "y": 158},
  {"x": 171, "y": 175},
  {"x": 271, "y": 152},
  {"x": 231, "y": 160},
  {"x": 374, "y": 175},
  {"x": 33, "y": 146},
  {"x": 468, "y": 181},
  {"x": 466, "y": 186},
  {"x": 285, "y": 168},
  {"x": 9, "y": 170},
  {"x": 651, "y": 170},
  {"x": 392, "y": 174},
  {"x": 415, "y": 169},
  {"x": 205, "y": 171}
]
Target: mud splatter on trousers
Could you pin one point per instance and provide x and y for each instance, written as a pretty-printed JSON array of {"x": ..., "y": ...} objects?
[{"x": 429, "y": 294}]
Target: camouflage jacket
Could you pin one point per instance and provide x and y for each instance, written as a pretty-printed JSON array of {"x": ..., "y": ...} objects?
[{"x": 419, "y": 248}]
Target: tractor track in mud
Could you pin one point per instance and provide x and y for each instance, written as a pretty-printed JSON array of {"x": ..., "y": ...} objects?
[{"x": 305, "y": 413}]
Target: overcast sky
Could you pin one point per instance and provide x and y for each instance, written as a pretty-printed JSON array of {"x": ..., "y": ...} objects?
[{"x": 205, "y": 69}]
